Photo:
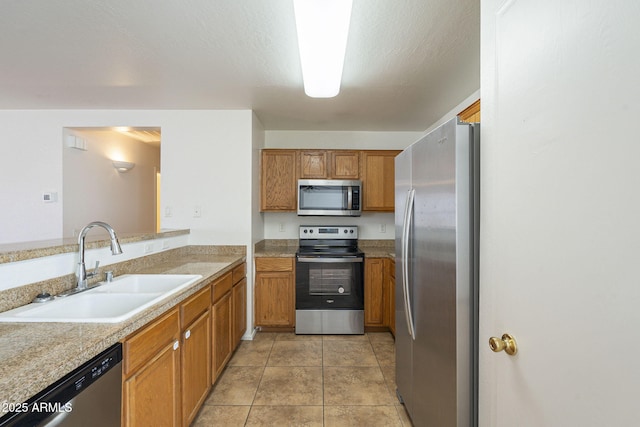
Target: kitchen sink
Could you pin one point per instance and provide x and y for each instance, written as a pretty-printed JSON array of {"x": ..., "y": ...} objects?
[
  {"x": 112, "y": 302},
  {"x": 147, "y": 283}
]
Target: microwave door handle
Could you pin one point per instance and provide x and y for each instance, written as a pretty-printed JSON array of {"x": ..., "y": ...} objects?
[{"x": 349, "y": 197}]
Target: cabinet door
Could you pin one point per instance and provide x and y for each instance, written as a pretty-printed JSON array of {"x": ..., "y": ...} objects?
[
  {"x": 151, "y": 396},
  {"x": 374, "y": 292},
  {"x": 239, "y": 311},
  {"x": 274, "y": 299},
  {"x": 378, "y": 180},
  {"x": 278, "y": 180},
  {"x": 345, "y": 164},
  {"x": 222, "y": 334},
  {"x": 313, "y": 165},
  {"x": 196, "y": 366},
  {"x": 471, "y": 114},
  {"x": 390, "y": 294}
]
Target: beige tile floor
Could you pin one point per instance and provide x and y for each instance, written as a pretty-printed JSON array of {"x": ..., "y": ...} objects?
[{"x": 283, "y": 379}]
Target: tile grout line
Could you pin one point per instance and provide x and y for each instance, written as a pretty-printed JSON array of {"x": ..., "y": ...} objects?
[{"x": 264, "y": 368}]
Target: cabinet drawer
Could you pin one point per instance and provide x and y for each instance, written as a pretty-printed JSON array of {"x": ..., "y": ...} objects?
[
  {"x": 221, "y": 286},
  {"x": 274, "y": 264},
  {"x": 239, "y": 272},
  {"x": 195, "y": 306},
  {"x": 145, "y": 344}
]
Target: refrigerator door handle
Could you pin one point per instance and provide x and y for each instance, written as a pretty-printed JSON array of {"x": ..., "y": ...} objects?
[{"x": 406, "y": 227}]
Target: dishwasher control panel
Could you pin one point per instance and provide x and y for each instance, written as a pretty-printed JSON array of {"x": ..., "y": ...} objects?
[{"x": 63, "y": 398}]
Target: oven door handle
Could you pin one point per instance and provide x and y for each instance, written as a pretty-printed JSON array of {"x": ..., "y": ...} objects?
[{"x": 328, "y": 259}]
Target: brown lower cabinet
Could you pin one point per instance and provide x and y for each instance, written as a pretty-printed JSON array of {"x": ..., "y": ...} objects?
[
  {"x": 239, "y": 323},
  {"x": 170, "y": 364},
  {"x": 239, "y": 298},
  {"x": 390, "y": 291},
  {"x": 151, "y": 386},
  {"x": 275, "y": 293},
  {"x": 374, "y": 308},
  {"x": 222, "y": 339},
  {"x": 379, "y": 294},
  {"x": 196, "y": 353}
]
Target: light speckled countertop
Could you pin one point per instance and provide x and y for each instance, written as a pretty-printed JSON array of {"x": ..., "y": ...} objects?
[
  {"x": 13, "y": 252},
  {"x": 34, "y": 355}
]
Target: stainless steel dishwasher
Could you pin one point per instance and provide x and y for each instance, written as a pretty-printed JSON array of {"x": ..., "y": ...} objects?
[{"x": 90, "y": 395}]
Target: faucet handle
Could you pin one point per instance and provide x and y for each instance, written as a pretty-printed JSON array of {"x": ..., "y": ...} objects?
[{"x": 95, "y": 270}]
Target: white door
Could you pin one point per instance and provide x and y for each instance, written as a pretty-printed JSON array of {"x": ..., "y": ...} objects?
[{"x": 560, "y": 212}]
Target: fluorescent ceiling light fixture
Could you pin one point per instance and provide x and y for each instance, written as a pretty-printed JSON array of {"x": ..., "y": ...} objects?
[{"x": 323, "y": 27}]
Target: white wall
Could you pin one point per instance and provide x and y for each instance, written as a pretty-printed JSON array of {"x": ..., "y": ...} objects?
[
  {"x": 257, "y": 219},
  {"x": 454, "y": 111},
  {"x": 205, "y": 161},
  {"x": 285, "y": 225},
  {"x": 206, "y": 164},
  {"x": 31, "y": 150},
  {"x": 94, "y": 190},
  {"x": 22, "y": 273},
  {"x": 342, "y": 140},
  {"x": 209, "y": 161}
]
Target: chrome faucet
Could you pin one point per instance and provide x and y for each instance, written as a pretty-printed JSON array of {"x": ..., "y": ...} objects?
[{"x": 115, "y": 250}]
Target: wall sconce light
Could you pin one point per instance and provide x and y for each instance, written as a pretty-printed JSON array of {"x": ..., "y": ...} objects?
[
  {"x": 323, "y": 27},
  {"x": 122, "y": 166}
]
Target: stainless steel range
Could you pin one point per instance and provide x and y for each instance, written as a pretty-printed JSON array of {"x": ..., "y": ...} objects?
[{"x": 329, "y": 281}]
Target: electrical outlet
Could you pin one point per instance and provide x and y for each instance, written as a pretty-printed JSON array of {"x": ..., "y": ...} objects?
[
  {"x": 197, "y": 212},
  {"x": 383, "y": 228},
  {"x": 282, "y": 227},
  {"x": 148, "y": 248},
  {"x": 168, "y": 211}
]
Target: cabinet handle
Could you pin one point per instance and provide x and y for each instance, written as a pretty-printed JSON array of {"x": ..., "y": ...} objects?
[
  {"x": 176, "y": 345},
  {"x": 187, "y": 334}
]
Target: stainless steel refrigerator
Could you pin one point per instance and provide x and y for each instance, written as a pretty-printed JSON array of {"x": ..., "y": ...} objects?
[{"x": 437, "y": 201}]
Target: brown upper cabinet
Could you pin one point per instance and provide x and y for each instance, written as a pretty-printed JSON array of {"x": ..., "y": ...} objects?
[
  {"x": 471, "y": 114},
  {"x": 378, "y": 180},
  {"x": 281, "y": 168},
  {"x": 278, "y": 180},
  {"x": 329, "y": 164},
  {"x": 313, "y": 165},
  {"x": 344, "y": 164}
]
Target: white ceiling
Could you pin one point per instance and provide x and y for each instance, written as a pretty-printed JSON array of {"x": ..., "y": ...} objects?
[{"x": 408, "y": 62}]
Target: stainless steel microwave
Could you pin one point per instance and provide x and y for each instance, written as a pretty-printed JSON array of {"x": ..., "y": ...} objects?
[{"x": 329, "y": 197}]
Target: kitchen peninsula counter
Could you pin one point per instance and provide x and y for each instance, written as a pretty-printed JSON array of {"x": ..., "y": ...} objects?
[{"x": 35, "y": 355}]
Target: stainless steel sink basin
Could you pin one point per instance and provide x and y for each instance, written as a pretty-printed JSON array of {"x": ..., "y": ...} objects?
[{"x": 113, "y": 302}]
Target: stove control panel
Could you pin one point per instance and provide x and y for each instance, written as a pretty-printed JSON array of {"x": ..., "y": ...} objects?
[{"x": 328, "y": 231}]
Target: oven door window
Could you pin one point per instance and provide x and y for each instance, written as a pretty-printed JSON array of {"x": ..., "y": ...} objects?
[
  {"x": 323, "y": 285},
  {"x": 330, "y": 281}
]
